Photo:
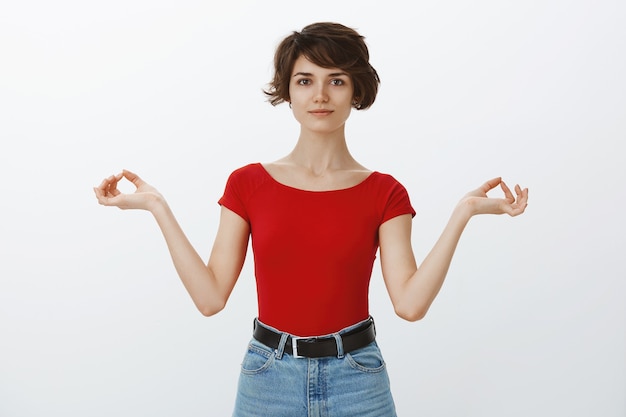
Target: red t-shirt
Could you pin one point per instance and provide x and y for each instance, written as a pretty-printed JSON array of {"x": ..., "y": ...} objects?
[{"x": 313, "y": 250}]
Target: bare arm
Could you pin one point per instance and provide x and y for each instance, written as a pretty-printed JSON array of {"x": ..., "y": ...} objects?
[
  {"x": 412, "y": 289},
  {"x": 209, "y": 285}
]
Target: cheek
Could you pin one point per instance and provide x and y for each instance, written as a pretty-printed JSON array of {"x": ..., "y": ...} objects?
[{"x": 297, "y": 112}]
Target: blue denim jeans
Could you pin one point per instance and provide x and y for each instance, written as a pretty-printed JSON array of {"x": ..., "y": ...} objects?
[{"x": 273, "y": 383}]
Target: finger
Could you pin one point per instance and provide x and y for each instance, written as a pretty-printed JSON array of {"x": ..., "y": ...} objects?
[
  {"x": 517, "y": 210},
  {"x": 112, "y": 185},
  {"x": 105, "y": 183},
  {"x": 104, "y": 186},
  {"x": 101, "y": 196},
  {"x": 491, "y": 184},
  {"x": 114, "y": 190},
  {"x": 523, "y": 197},
  {"x": 118, "y": 200},
  {"x": 508, "y": 195},
  {"x": 116, "y": 179},
  {"x": 132, "y": 177},
  {"x": 108, "y": 183},
  {"x": 522, "y": 201}
]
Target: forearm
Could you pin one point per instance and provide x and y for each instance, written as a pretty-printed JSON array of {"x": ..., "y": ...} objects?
[
  {"x": 421, "y": 288},
  {"x": 199, "y": 281}
]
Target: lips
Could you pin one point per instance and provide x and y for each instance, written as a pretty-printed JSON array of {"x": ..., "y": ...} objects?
[{"x": 320, "y": 112}]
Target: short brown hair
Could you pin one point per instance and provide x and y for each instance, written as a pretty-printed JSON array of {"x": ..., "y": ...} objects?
[{"x": 329, "y": 45}]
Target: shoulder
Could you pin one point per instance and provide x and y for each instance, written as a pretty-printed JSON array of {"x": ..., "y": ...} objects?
[
  {"x": 384, "y": 180},
  {"x": 241, "y": 185},
  {"x": 247, "y": 178},
  {"x": 249, "y": 174},
  {"x": 250, "y": 170},
  {"x": 393, "y": 196}
]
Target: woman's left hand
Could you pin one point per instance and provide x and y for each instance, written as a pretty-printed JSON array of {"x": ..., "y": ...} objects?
[{"x": 479, "y": 203}]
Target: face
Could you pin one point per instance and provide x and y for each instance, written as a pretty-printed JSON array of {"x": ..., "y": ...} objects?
[{"x": 321, "y": 98}]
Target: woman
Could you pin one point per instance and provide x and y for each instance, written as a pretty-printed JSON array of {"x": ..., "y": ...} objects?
[{"x": 316, "y": 218}]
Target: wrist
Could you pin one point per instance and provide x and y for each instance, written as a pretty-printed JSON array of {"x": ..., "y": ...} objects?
[
  {"x": 465, "y": 209},
  {"x": 156, "y": 204}
]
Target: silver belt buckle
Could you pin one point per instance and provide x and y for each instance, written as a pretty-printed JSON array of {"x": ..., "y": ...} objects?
[{"x": 294, "y": 346}]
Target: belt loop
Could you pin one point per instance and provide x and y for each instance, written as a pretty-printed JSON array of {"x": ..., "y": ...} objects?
[
  {"x": 339, "y": 342},
  {"x": 281, "y": 346}
]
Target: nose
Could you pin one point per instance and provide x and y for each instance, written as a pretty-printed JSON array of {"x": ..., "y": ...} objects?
[{"x": 321, "y": 95}]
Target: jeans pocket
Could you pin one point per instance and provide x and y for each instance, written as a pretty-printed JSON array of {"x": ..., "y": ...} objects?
[
  {"x": 257, "y": 359},
  {"x": 367, "y": 359}
]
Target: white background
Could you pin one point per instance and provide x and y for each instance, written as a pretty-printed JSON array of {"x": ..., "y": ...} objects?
[{"x": 93, "y": 319}]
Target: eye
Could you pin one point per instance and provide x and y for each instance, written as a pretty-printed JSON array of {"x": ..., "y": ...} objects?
[
  {"x": 337, "y": 82},
  {"x": 304, "y": 81}
]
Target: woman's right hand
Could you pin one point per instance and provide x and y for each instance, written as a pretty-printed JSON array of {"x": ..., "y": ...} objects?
[{"x": 145, "y": 196}]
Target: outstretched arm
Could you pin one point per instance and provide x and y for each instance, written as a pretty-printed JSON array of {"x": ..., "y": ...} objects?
[
  {"x": 208, "y": 285},
  {"x": 412, "y": 289}
]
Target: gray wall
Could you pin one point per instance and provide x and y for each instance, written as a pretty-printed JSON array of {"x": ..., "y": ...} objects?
[{"x": 93, "y": 319}]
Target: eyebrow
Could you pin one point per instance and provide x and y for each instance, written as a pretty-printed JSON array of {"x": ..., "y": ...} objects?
[{"x": 308, "y": 74}]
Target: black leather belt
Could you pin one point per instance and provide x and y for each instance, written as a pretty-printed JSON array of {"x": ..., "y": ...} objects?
[{"x": 317, "y": 347}]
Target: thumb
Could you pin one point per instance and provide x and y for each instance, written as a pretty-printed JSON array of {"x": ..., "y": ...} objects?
[{"x": 132, "y": 177}]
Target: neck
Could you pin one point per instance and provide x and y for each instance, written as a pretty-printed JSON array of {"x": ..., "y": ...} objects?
[{"x": 320, "y": 153}]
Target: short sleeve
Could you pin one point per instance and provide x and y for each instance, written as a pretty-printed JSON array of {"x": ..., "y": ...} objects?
[
  {"x": 234, "y": 195},
  {"x": 398, "y": 202}
]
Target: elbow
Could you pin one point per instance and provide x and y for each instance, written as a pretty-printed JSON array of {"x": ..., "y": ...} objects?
[
  {"x": 209, "y": 310},
  {"x": 411, "y": 314}
]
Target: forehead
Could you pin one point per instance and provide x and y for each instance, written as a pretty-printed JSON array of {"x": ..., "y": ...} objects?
[{"x": 303, "y": 65}]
